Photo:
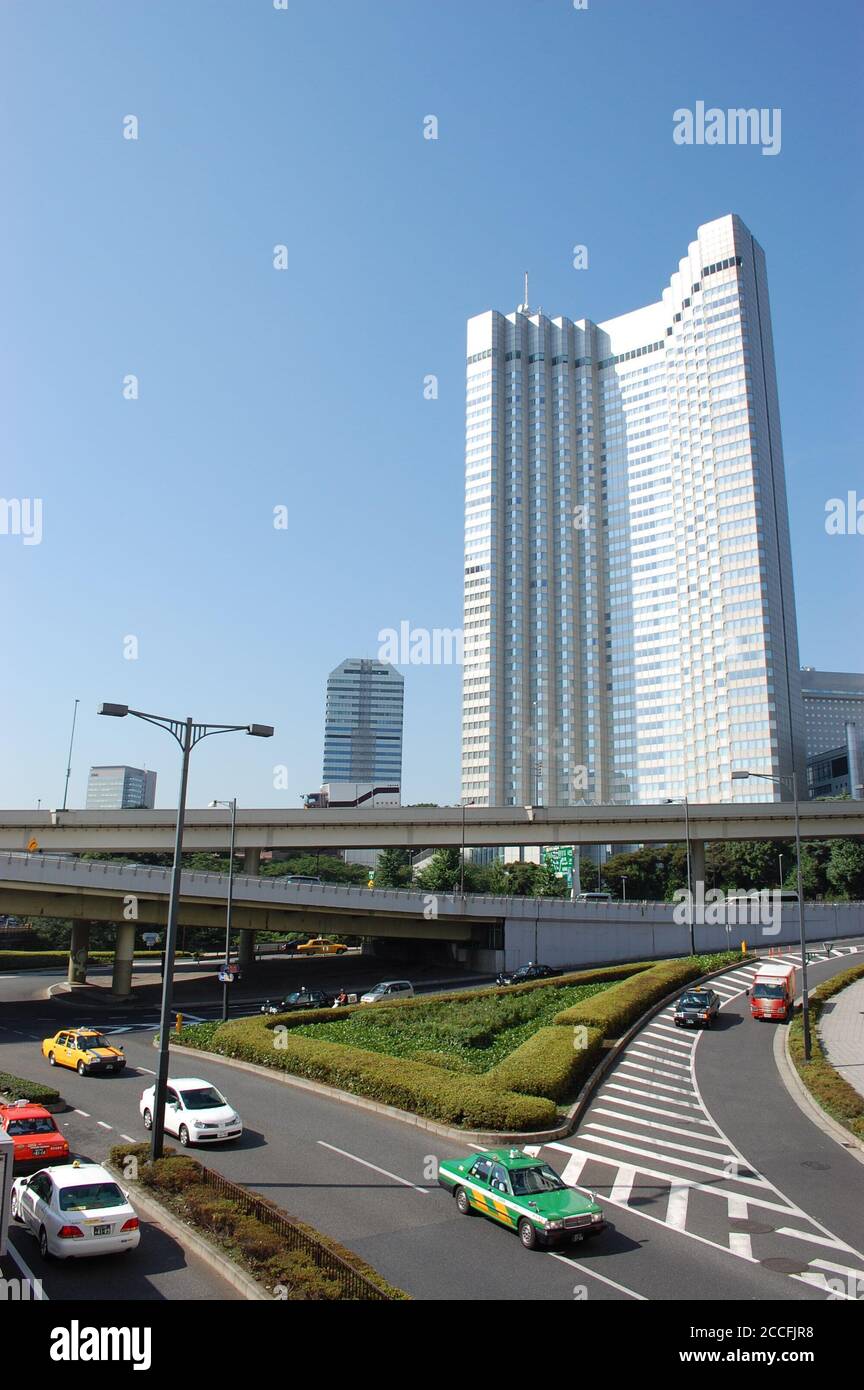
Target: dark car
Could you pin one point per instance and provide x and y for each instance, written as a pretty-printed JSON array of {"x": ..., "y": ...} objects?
[
  {"x": 526, "y": 973},
  {"x": 698, "y": 1008},
  {"x": 299, "y": 999}
]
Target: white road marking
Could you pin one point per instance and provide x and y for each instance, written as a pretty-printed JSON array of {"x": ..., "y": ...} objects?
[
  {"x": 662, "y": 1041},
  {"x": 657, "y": 1085},
  {"x": 830, "y": 1241},
  {"x": 739, "y": 1241},
  {"x": 651, "y": 1057},
  {"x": 658, "y": 1124},
  {"x": 834, "y": 1268},
  {"x": 676, "y": 1210},
  {"x": 586, "y": 1269},
  {"x": 641, "y": 1090},
  {"x": 146, "y": 1070},
  {"x": 85, "y": 1113},
  {"x": 384, "y": 1171},
  {"x": 128, "y": 1138},
  {"x": 653, "y": 1109},
  {"x": 623, "y": 1184},
  {"x": 573, "y": 1169},
  {"x": 102, "y": 1125},
  {"x": 662, "y": 1144},
  {"x": 35, "y": 1285}
]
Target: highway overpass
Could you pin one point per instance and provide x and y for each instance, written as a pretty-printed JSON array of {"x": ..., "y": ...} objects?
[
  {"x": 484, "y": 931},
  {"x": 413, "y": 827}
]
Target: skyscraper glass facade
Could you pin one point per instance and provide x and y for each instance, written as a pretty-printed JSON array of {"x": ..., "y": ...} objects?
[
  {"x": 629, "y": 612},
  {"x": 363, "y": 723}
]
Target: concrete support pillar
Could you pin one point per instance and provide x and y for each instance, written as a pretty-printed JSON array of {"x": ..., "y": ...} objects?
[
  {"x": 246, "y": 949},
  {"x": 124, "y": 950},
  {"x": 78, "y": 949},
  {"x": 252, "y": 862},
  {"x": 697, "y": 862}
]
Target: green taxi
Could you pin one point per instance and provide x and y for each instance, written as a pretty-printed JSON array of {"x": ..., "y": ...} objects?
[{"x": 524, "y": 1194}]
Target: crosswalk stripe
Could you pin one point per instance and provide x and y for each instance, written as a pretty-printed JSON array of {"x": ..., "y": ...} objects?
[
  {"x": 660, "y": 1070},
  {"x": 658, "y": 1124},
  {"x": 623, "y": 1184},
  {"x": 681, "y": 1162},
  {"x": 835, "y": 1268},
  {"x": 659, "y": 1085},
  {"x": 652, "y": 1109},
  {"x": 683, "y": 1039},
  {"x": 573, "y": 1171},
  {"x": 739, "y": 1241},
  {"x": 676, "y": 1209},
  {"x": 660, "y": 1044},
  {"x": 661, "y": 1143},
  {"x": 641, "y": 1090}
]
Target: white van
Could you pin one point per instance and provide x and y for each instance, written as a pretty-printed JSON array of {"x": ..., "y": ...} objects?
[
  {"x": 388, "y": 989},
  {"x": 593, "y": 898}
]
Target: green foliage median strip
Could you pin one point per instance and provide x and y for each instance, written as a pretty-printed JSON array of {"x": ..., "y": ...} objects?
[
  {"x": 18, "y": 1088},
  {"x": 293, "y": 1261},
  {"x": 825, "y": 1084},
  {"x": 499, "y": 1059}
]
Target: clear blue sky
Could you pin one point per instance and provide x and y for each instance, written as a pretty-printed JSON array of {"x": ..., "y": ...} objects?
[{"x": 304, "y": 388}]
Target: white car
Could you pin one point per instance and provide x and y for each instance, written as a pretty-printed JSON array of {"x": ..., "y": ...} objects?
[
  {"x": 76, "y": 1210},
  {"x": 195, "y": 1111},
  {"x": 388, "y": 989}
]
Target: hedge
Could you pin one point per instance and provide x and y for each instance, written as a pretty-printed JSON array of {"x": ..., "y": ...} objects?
[
  {"x": 19, "y": 1089},
  {"x": 451, "y": 1098},
  {"x": 41, "y": 960},
  {"x": 180, "y": 1183},
  {"x": 826, "y": 1085},
  {"x": 613, "y": 1011},
  {"x": 550, "y": 1063}
]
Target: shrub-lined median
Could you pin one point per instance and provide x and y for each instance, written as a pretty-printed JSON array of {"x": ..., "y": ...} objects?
[
  {"x": 825, "y": 1084},
  {"x": 18, "y": 1088},
  {"x": 426, "y": 1055},
  {"x": 289, "y": 1258}
]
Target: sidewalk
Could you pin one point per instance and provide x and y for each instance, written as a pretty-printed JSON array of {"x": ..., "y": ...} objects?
[{"x": 841, "y": 1029}]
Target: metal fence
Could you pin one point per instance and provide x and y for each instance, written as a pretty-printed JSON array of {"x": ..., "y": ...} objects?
[{"x": 355, "y": 1284}]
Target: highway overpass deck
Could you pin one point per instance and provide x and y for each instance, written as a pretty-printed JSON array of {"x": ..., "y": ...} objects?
[{"x": 423, "y": 827}]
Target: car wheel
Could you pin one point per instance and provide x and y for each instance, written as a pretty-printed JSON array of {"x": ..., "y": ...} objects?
[
  {"x": 183, "y": 1136},
  {"x": 148, "y": 1120},
  {"x": 44, "y": 1249},
  {"x": 52, "y": 1060},
  {"x": 463, "y": 1202},
  {"x": 528, "y": 1234},
  {"x": 81, "y": 1069},
  {"x": 13, "y": 1207}
]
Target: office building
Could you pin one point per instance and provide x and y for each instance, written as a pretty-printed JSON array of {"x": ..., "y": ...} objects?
[
  {"x": 121, "y": 789},
  {"x": 629, "y": 613},
  {"x": 363, "y": 723},
  {"x": 831, "y": 699}
]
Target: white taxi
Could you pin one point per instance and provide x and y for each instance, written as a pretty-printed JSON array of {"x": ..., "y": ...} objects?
[{"x": 76, "y": 1210}]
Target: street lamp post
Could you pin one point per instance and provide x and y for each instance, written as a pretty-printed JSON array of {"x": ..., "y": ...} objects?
[
  {"x": 232, "y": 807},
  {"x": 671, "y": 802},
  {"x": 69, "y": 759},
  {"x": 187, "y": 733},
  {"x": 805, "y": 998}
]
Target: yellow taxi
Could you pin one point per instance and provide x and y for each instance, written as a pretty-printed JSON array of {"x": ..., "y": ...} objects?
[
  {"x": 85, "y": 1049},
  {"x": 321, "y": 946}
]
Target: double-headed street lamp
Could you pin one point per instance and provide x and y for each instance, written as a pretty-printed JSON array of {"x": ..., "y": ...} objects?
[
  {"x": 671, "y": 801},
  {"x": 232, "y": 807},
  {"x": 805, "y": 1000},
  {"x": 187, "y": 733}
]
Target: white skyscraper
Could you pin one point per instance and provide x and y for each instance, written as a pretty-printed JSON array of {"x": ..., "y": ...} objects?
[{"x": 629, "y": 619}]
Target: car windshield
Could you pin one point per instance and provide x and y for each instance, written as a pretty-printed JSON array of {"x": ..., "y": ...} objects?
[
  {"x": 539, "y": 1179},
  {"x": 33, "y": 1125},
  {"x": 769, "y": 991},
  {"x": 91, "y": 1196},
  {"x": 693, "y": 1001},
  {"x": 205, "y": 1098},
  {"x": 88, "y": 1041}
]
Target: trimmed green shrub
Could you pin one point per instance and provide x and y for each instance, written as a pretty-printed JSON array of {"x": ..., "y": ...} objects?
[
  {"x": 550, "y": 1063},
  {"x": 181, "y": 1184},
  {"x": 406, "y": 1084},
  {"x": 616, "y": 1009},
  {"x": 18, "y": 1088},
  {"x": 826, "y": 1085}
]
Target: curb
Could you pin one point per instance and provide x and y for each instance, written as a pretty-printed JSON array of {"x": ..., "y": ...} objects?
[
  {"x": 806, "y": 1103},
  {"x": 485, "y": 1138},
  {"x": 192, "y": 1242}
]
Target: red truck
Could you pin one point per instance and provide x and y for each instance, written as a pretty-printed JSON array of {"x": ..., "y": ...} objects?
[{"x": 772, "y": 993}]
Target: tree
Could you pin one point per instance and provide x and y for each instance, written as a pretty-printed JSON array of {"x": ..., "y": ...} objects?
[
  {"x": 443, "y": 872},
  {"x": 393, "y": 869},
  {"x": 845, "y": 868}
]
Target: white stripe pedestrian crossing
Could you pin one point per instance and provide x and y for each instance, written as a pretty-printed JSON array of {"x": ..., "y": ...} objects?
[{"x": 650, "y": 1133}]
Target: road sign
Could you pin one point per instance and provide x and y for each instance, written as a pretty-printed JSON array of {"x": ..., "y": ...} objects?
[
  {"x": 560, "y": 861},
  {"x": 227, "y": 977},
  {"x": 151, "y": 939},
  {"x": 32, "y": 846}
]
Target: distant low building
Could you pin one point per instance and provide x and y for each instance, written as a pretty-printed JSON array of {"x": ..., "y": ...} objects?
[{"x": 120, "y": 789}]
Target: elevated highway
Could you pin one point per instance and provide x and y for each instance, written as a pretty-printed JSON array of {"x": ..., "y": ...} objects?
[{"x": 413, "y": 827}]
